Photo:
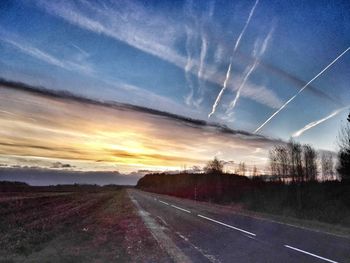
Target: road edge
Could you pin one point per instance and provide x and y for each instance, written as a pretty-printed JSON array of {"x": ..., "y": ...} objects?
[{"x": 157, "y": 231}]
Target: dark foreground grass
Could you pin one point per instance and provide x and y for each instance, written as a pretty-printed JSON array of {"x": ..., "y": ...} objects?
[{"x": 79, "y": 226}]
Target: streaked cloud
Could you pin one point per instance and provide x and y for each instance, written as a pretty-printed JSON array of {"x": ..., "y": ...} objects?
[
  {"x": 93, "y": 135},
  {"x": 25, "y": 47},
  {"x": 258, "y": 52},
  {"x": 121, "y": 21},
  {"x": 318, "y": 122},
  {"x": 301, "y": 90}
]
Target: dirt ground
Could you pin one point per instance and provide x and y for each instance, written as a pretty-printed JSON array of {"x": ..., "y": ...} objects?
[{"x": 81, "y": 226}]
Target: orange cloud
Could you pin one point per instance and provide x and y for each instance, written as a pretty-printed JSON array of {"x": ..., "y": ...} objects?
[{"x": 39, "y": 125}]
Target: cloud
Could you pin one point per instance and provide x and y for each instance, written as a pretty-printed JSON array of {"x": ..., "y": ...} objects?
[
  {"x": 250, "y": 69},
  {"x": 122, "y": 22},
  {"x": 124, "y": 91},
  {"x": 318, "y": 122},
  {"x": 59, "y": 165},
  {"x": 28, "y": 49},
  {"x": 157, "y": 34},
  {"x": 301, "y": 90},
  {"x": 62, "y": 127}
]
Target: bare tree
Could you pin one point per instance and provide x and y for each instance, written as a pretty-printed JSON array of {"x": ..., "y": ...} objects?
[
  {"x": 255, "y": 171},
  {"x": 295, "y": 161},
  {"x": 327, "y": 166},
  {"x": 279, "y": 161},
  {"x": 344, "y": 152},
  {"x": 310, "y": 163},
  {"x": 214, "y": 167},
  {"x": 242, "y": 169},
  {"x": 273, "y": 163}
]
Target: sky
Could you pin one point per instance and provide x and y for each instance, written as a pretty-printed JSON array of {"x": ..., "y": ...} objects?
[{"x": 228, "y": 63}]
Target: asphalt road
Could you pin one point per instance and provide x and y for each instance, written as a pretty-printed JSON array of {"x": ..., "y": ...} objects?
[{"x": 207, "y": 233}]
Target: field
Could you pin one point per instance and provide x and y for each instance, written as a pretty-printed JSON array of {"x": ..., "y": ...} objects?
[{"x": 78, "y": 225}]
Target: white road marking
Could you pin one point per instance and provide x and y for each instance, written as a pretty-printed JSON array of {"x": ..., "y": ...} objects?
[
  {"x": 250, "y": 237},
  {"x": 308, "y": 253},
  {"x": 163, "y": 221},
  {"x": 163, "y": 202},
  {"x": 236, "y": 228},
  {"x": 211, "y": 258},
  {"x": 182, "y": 209}
]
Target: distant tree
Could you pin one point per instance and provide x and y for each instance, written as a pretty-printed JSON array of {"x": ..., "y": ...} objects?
[
  {"x": 309, "y": 163},
  {"x": 343, "y": 167},
  {"x": 295, "y": 161},
  {"x": 273, "y": 163},
  {"x": 255, "y": 171},
  {"x": 214, "y": 167},
  {"x": 327, "y": 166},
  {"x": 242, "y": 169}
]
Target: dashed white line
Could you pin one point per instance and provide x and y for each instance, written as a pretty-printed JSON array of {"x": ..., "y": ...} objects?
[
  {"x": 163, "y": 202},
  {"x": 182, "y": 209},
  {"x": 221, "y": 223},
  {"x": 163, "y": 221},
  {"x": 310, "y": 254}
]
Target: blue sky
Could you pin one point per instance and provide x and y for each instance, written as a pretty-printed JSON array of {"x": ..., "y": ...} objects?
[{"x": 174, "y": 55}]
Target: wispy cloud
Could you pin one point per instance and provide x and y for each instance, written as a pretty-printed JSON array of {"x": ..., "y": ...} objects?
[
  {"x": 189, "y": 65},
  {"x": 301, "y": 90},
  {"x": 228, "y": 72},
  {"x": 122, "y": 21},
  {"x": 249, "y": 70},
  {"x": 126, "y": 92},
  {"x": 150, "y": 32},
  {"x": 25, "y": 47},
  {"x": 315, "y": 123},
  {"x": 91, "y": 134},
  {"x": 245, "y": 26}
]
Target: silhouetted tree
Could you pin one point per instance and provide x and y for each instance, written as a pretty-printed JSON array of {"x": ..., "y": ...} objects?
[
  {"x": 255, "y": 171},
  {"x": 280, "y": 161},
  {"x": 214, "y": 167},
  {"x": 310, "y": 163},
  {"x": 344, "y": 151},
  {"x": 295, "y": 161},
  {"x": 242, "y": 169},
  {"x": 327, "y": 166}
]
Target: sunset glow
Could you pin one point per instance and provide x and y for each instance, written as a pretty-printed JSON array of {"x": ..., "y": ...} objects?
[{"x": 43, "y": 129}]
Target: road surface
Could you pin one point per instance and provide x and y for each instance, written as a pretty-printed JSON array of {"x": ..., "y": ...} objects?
[{"x": 199, "y": 232}]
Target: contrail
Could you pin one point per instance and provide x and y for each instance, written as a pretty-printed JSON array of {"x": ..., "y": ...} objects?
[
  {"x": 202, "y": 56},
  {"x": 300, "y": 91},
  {"x": 188, "y": 67},
  {"x": 251, "y": 69},
  {"x": 228, "y": 73},
  {"x": 245, "y": 26},
  {"x": 221, "y": 91},
  {"x": 315, "y": 123}
]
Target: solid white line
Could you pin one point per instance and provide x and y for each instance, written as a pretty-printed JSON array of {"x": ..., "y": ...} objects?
[
  {"x": 308, "y": 253},
  {"x": 218, "y": 222},
  {"x": 187, "y": 211},
  {"x": 164, "y": 202}
]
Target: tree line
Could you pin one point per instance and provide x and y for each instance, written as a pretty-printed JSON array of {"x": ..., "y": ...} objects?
[{"x": 294, "y": 162}]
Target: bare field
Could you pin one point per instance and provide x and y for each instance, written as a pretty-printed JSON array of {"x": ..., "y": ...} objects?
[{"x": 80, "y": 226}]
